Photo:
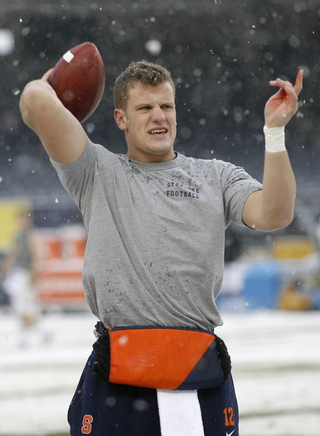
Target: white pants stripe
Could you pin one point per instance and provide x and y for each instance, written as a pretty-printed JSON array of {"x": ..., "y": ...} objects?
[{"x": 180, "y": 413}]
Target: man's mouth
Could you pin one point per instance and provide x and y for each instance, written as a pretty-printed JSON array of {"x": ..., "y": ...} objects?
[{"x": 157, "y": 131}]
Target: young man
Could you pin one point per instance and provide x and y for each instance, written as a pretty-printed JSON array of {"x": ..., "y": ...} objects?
[{"x": 155, "y": 221}]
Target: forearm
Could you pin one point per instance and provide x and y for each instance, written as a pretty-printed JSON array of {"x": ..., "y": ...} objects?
[
  {"x": 279, "y": 191},
  {"x": 273, "y": 207},
  {"x": 59, "y": 131}
]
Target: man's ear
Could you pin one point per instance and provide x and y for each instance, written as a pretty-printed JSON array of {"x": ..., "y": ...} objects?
[{"x": 121, "y": 119}]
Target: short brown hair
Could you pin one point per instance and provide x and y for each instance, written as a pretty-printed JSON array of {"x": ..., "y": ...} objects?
[{"x": 147, "y": 73}]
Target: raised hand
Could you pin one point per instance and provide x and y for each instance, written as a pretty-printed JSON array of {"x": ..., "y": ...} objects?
[{"x": 282, "y": 106}]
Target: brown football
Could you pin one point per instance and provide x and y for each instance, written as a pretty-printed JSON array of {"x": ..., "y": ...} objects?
[{"x": 79, "y": 80}]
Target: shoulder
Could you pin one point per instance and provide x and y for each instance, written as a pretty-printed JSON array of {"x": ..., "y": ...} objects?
[
  {"x": 207, "y": 167},
  {"x": 92, "y": 152}
]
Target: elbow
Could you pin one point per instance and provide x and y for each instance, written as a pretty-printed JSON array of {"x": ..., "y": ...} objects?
[
  {"x": 284, "y": 222},
  {"x": 25, "y": 113},
  {"x": 34, "y": 101},
  {"x": 28, "y": 104},
  {"x": 279, "y": 221}
]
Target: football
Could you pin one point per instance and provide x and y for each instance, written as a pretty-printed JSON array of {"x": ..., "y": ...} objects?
[{"x": 78, "y": 79}]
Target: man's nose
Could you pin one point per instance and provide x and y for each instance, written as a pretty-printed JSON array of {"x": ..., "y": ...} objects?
[{"x": 158, "y": 115}]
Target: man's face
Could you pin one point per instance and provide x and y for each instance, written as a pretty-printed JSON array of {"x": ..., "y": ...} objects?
[{"x": 149, "y": 122}]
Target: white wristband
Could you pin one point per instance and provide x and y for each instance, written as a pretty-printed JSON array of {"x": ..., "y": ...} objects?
[{"x": 275, "y": 139}]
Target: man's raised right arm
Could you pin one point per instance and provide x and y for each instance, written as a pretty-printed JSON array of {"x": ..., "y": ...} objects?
[{"x": 60, "y": 132}]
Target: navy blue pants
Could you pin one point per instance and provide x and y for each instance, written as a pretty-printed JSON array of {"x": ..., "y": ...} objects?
[{"x": 100, "y": 408}]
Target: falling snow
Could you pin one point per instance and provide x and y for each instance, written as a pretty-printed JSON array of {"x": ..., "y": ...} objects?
[{"x": 222, "y": 54}]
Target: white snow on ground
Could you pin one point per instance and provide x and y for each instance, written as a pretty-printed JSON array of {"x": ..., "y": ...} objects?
[{"x": 276, "y": 369}]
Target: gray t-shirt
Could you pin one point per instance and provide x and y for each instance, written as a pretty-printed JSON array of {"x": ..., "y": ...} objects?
[{"x": 155, "y": 247}]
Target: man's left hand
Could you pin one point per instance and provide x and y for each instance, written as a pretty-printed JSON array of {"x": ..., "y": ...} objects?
[{"x": 282, "y": 106}]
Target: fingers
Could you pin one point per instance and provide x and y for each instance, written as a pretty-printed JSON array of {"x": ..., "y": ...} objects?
[
  {"x": 281, "y": 83},
  {"x": 281, "y": 107},
  {"x": 47, "y": 75},
  {"x": 299, "y": 81},
  {"x": 285, "y": 84}
]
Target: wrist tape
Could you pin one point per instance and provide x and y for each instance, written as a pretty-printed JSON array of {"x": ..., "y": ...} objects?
[
  {"x": 275, "y": 139},
  {"x": 161, "y": 358}
]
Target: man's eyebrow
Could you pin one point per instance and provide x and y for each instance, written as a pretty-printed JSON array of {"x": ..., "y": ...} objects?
[{"x": 143, "y": 104}]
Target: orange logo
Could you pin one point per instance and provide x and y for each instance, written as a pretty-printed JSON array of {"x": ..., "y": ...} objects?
[
  {"x": 228, "y": 413},
  {"x": 87, "y": 424}
]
